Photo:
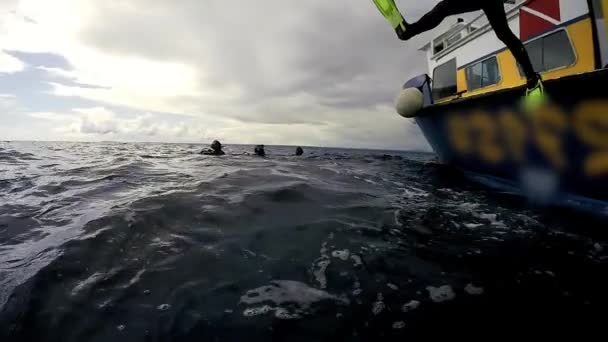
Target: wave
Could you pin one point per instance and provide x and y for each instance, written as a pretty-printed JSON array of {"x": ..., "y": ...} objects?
[{"x": 136, "y": 242}]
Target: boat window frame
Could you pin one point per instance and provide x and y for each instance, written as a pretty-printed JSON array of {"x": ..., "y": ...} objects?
[
  {"x": 543, "y": 36},
  {"x": 498, "y": 81},
  {"x": 452, "y": 60}
]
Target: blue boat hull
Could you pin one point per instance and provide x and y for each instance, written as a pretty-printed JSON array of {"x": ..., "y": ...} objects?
[{"x": 558, "y": 153}]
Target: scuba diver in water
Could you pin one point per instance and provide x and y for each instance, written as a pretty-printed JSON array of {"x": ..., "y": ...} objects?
[
  {"x": 259, "y": 150},
  {"x": 215, "y": 150},
  {"x": 495, "y": 13}
]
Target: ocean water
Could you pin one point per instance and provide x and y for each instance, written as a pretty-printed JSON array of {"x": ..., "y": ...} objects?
[{"x": 153, "y": 242}]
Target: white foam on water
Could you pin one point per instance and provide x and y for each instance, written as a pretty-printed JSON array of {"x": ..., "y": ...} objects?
[
  {"x": 87, "y": 283},
  {"x": 492, "y": 238},
  {"x": 121, "y": 327},
  {"x": 135, "y": 278},
  {"x": 319, "y": 272},
  {"x": 499, "y": 224},
  {"x": 473, "y": 225},
  {"x": 288, "y": 291},
  {"x": 290, "y": 299},
  {"x": 282, "y": 313},
  {"x": 249, "y": 252},
  {"x": 163, "y": 307},
  {"x": 323, "y": 250},
  {"x": 341, "y": 254},
  {"x": 417, "y": 189},
  {"x": 489, "y": 217},
  {"x": 493, "y": 219},
  {"x": 95, "y": 233},
  {"x": 414, "y": 193},
  {"x": 158, "y": 242},
  {"x": 378, "y": 307},
  {"x": 370, "y": 181},
  {"x": 257, "y": 311},
  {"x": 467, "y": 206},
  {"x": 441, "y": 294},
  {"x": 104, "y": 304},
  {"x": 410, "y": 306},
  {"x": 399, "y": 325},
  {"x": 392, "y": 286},
  {"x": 357, "y": 292},
  {"x": 473, "y": 290}
]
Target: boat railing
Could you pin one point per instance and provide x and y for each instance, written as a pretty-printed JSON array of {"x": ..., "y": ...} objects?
[{"x": 510, "y": 11}]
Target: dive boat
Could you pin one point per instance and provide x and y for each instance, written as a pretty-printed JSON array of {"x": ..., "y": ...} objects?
[{"x": 470, "y": 110}]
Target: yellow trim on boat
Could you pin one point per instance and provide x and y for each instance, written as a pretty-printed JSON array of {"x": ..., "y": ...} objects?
[
  {"x": 582, "y": 44},
  {"x": 461, "y": 81}
]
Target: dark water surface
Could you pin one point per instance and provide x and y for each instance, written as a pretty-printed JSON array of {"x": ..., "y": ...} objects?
[{"x": 152, "y": 242}]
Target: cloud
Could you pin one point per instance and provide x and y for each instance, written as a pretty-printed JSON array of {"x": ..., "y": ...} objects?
[
  {"x": 49, "y": 60},
  {"x": 340, "y": 52},
  {"x": 99, "y": 123},
  {"x": 10, "y": 64},
  {"x": 51, "y": 116},
  {"x": 315, "y": 72},
  {"x": 8, "y": 102}
]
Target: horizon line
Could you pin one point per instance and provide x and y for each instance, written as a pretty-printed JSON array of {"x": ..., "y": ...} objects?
[{"x": 392, "y": 149}]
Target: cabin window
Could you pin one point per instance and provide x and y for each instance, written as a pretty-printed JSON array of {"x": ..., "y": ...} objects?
[
  {"x": 454, "y": 39},
  {"x": 438, "y": 47},
  {"x": 444, "y": 80},
  {"x": 550, "y": 52},
  {"x": 483, "y": 74}
]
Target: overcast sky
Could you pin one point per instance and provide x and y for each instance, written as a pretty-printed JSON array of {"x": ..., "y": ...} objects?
[{"x": 310, "y": 72}]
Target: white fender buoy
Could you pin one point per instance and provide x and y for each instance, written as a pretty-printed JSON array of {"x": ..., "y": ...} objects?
[{"x": 409, "y": 102}]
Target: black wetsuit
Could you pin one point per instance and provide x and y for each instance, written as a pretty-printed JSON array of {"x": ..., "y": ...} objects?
[{"x": 495, "y": 13}]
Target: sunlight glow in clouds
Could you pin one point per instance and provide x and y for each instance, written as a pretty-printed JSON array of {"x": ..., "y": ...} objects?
[{"x": 194, "y": 70}]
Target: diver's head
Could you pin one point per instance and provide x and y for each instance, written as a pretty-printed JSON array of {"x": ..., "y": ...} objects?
[
  {"x": 216, "y": 146},
  {"x": 259, "y": 150},
  {"x": 299, "y": 151}
]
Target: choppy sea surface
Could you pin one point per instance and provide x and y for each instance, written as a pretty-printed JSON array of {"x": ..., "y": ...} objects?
[{"x": 153, "y": 242}]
